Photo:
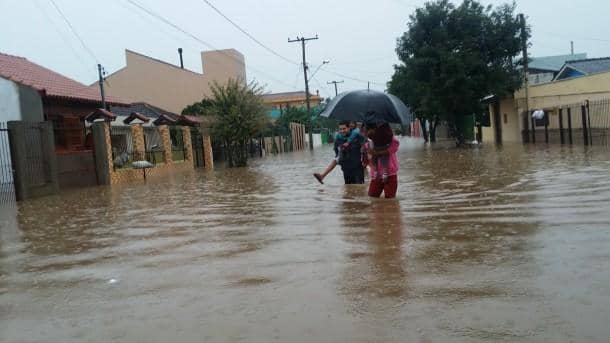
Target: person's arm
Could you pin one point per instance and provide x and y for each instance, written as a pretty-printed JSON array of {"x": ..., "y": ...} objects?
[
  {"x": 353, "y": 135},
  {"x": 391, "y": 149}
]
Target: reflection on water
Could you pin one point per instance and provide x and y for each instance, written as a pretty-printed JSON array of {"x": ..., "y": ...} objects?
[{"x": 492, "y": 244}]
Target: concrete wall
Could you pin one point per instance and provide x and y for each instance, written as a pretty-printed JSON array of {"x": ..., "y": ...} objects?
[
  {"x": 167, "y": 86},
  {"x": 549, "y": 97},
  {"x": 566, "y": 92},
  {"x": 511, "y": 126},
  {"x": 18, "y": 102},
  {"x": 10, "y": 109},
  {"x": 317, "y": 140},
  {"x": 30, "y": 102}
]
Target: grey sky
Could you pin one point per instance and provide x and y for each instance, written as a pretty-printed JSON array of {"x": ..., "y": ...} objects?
[{"x": 358, "y": 37}]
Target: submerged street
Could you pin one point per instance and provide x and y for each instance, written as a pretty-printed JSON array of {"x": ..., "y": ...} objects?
[{"x": 504, "y": 243}]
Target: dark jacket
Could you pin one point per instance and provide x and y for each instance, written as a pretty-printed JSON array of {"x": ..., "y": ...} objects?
[{"x": 349, "y": 158}]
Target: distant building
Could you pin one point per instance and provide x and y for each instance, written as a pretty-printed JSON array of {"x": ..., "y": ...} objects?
[
  {"x": 583, "y": 67},
  {"x": 575, "y": 82},
  {"x": 276, "y": 103},
  {"x": 544, "y": 69},
  {"x": 168, "y": 86}
]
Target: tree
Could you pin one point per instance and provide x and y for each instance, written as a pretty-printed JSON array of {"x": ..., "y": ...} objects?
[
  {"x": 452, "y": 57},
  {"x": 238, "y": 114},
  {"x": 293, "y": 115},
  {"x": 299, "y": 115},
  {"x": 198, "y": 108}
]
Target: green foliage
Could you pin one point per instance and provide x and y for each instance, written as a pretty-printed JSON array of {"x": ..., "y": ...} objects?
[
  {"x": 198, "y": 108},
  {"x": 293, "y": 115},
  {"x": 299, "y": 115},
  {"x": 237, "y": 114},
  {"x": 452, "y": 57}
]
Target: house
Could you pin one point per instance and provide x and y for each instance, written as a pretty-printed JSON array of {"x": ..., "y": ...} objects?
[
  {"x": 168, "y": 86},
  {"x": 544, "y": 69},
  {"x": 149, "y": 117},
  {"x": 276, "y": 103},
  {"x": 577, "y": 82},
  {"x": 583, "y": 67},
  {"x": 31, "y": 92}
]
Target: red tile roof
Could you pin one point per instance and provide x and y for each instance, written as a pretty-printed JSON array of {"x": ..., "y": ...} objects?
[
  {"x": 135, "y": 115},
  {"x": 100, "y": 114},
  {"x": 48, "y": 82}
]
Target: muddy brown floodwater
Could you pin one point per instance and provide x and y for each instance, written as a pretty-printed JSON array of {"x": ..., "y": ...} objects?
[{"x": 494, "y": 244}]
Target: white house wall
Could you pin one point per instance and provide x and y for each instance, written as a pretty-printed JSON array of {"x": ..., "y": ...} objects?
[{"x": 9, "y": 101}]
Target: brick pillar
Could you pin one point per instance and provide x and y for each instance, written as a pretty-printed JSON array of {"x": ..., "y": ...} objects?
[
  {"x": 139, "y": 151},
  {"x": 208, "y": 155},
  {"x": 188, "y": 144},
  {"x": 103, "y": 152},
  {"x": 166, "y": 142}
]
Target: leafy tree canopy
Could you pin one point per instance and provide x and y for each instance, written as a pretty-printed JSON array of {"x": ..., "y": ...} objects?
[{"x": 452, "y": 57}]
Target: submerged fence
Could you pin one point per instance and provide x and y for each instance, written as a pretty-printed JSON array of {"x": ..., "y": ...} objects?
[
  {"x": 7, "y": 190},
  {"x": 586, "y": 123}
]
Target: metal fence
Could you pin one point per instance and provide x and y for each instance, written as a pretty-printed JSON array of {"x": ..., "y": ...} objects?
[
  {"x": 153, "y": 145},
  {"x": 177, "y": 141},
  {"x": 7, "y": 188},
  {"x": 121, "y": 140},
  {"x": 586, "y": 123}
]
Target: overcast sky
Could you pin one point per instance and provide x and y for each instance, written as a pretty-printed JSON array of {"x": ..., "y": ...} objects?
[{"x": 357, "y": 37}]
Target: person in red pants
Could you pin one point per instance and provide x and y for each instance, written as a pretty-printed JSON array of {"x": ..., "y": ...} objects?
[{"x": 382, "y": 155}]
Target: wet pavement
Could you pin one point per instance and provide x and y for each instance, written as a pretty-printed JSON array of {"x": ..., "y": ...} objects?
[{"x": 494, "y": 244}]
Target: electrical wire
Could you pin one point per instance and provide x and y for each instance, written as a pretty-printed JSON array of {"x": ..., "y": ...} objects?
[
  {"x": 196, "y": 38},
  {"x": 254, "y": 39},
  {"x": 82, "y": 41},
  {"x": 63, "y": 37}
]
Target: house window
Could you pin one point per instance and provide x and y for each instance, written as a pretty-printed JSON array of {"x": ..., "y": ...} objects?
[{"x": 505, "y": 118}]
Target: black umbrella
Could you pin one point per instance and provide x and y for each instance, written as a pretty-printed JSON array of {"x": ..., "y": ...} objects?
[{"x": 368, "y": 106}]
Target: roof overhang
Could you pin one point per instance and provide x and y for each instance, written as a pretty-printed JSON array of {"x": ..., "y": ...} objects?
[
  {"x": 100, "y": 113},
  {"x": 136, "y": 116}
]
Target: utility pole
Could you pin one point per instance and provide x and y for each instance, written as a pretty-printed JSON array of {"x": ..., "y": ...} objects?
[
  {"x": 335, "y": 82},
  {"x": 571, "y": 47},
  {"x": 303, "y": 40},
  {"x": 525, "y": 62},
  {"x": 100, "y": 71}
]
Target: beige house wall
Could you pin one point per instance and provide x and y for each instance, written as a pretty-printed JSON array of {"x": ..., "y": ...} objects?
[
  {"x": 145, "y": 79},
  {"x": 509, "y": 121},
  {"x": 549, "y": 97}
]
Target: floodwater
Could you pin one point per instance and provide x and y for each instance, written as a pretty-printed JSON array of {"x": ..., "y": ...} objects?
[{"x": 493, "y": 244}]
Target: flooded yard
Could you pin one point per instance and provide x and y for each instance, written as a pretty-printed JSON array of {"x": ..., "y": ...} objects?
[{"x": 492, "y": 244}]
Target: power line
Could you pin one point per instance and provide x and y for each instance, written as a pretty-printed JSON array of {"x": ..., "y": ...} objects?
[
  {"x": 268, "y": 48},
  {"x": 296, "y": 78},
  {"x": 335, "y": 83},
  {"x": 321, "y": 86},
  {"x": 63, "y": 37},
  {"x": 372, "y": 59},
  {"x": 147, "y": 19},
  {"x": 249, "y": 35},
  {"x": 74, "y": 31},
  {"x": 352, "y": 78},
  {"x": 208, "y": 45}
]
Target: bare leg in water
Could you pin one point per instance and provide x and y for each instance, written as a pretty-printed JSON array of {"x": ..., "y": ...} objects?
[{"x": 320, "y": 177}]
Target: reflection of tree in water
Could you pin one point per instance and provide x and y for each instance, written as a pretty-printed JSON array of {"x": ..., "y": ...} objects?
[{"x": 376, "y": 267}]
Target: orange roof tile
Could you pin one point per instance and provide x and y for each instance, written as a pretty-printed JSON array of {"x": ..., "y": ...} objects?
[{"x": 46, "y": 81}]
